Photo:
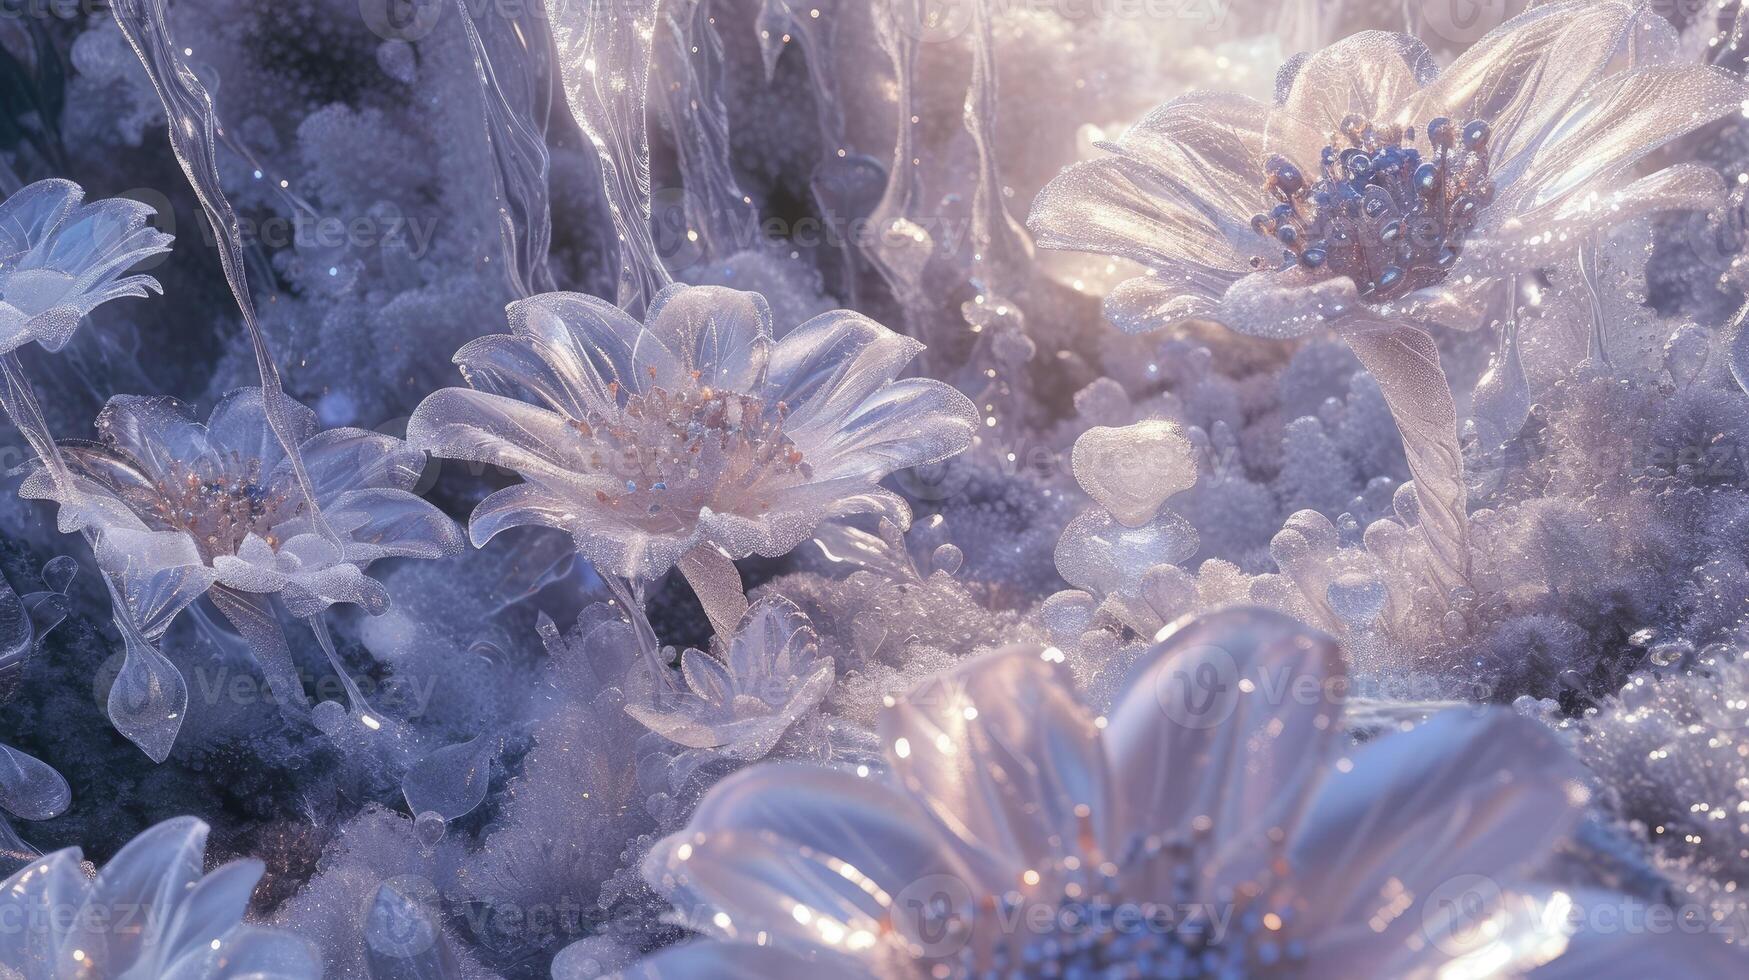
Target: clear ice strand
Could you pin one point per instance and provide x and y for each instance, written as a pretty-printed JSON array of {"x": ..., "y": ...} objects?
[
  {"x": 510, "y": 61},
  {"x": 192, "y": 124}
]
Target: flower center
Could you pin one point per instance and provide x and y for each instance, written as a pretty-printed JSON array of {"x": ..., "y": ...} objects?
[
  {"x": 218, "y": 510},
  {"x": 674, "y": 452},
  {"x": 1093, "y": 926},
  {"x": 1383, "y": 214}
]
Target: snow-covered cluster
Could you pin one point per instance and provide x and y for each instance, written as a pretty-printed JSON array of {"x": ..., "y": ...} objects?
[{"x": 892, "y": 489}]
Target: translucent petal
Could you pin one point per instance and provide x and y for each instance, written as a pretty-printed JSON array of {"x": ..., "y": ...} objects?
[
  {"x": 460, "y": 423},
  {"x": 32, "y": 214},
  {"x": 826, "y": 367},
  {"x": 1526, "y": 75},
  {"x": 1005, "y": 758},
  {"x": 209, "y": 911},
  {"x": 1182, "y": 189},
  {"x": 29, "y": 788},
  {"x": 1371, "y": 74},
  {"x": 1471, "y": 792},
  {"x": 1221, "y": 733},
  {"x": 239, "y": 423},
  {"x": 154, "y": 431},
  {"x": 906, "y": 423},
  {"x": 724, "y": 334},
  {"x": 588, "y": 342}
]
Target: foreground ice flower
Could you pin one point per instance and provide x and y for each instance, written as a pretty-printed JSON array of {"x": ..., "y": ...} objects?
[
  {"x": 61, "y": 259},
  {"x": 744, "y": 695},
  {"x": 179, "y": 507},
  {"x": 149, "y": 913},
  {"x": 1214, "y": 823},
  {"x": 695, "y": 427},
  {"x": 1380, "y": 195}
]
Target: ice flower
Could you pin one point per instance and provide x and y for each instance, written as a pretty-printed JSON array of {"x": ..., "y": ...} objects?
[
  {"x": 179, "y": 507},
  {"x": 695, "y": 427},
  {"x": 1379, "y": 187},
  {"x": 149, "y": 913},
  {"x": 60, "y": 259},
  {"x": 745, "y": 694},
  {"x": 1380, "y": 195},
  {"x": 1216, "y": 821}
]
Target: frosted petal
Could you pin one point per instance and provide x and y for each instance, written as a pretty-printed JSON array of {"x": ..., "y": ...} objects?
[
  {"x": 1004, "y": 757},
  {"x": 452, "y": 780},
  {"x": 29, "y": 788}
]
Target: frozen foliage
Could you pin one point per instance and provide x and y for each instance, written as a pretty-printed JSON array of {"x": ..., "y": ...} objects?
[{"x": 954, "y": 489}]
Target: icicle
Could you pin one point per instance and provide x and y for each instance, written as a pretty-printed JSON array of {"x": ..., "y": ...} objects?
[
  {"x": 1501, "y": 401},
  {"x": 193, "y": 124},
  {"x": 902, "y": 247},
  {"x": 605, "y": 49},
  {"x": 1003, "y": 250},
  {"x": 717, "y": 219},
  {"x": 512, "y": 58}
]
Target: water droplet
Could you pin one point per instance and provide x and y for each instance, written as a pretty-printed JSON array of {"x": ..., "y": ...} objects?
[
  {"x": 1669, "y": 652},
  {"x": 329, "y": 716},
  {"x": 430, "y": 826},
  {"x": 947, "y": 559}
]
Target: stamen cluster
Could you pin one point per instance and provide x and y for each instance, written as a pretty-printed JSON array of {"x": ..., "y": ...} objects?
[
  {"x": 1382, "y": 214},
  {"x": 676, "y": 450},
  {"x": 218, "y": 509}
]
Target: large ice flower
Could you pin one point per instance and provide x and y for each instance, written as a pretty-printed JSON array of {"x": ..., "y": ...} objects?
[
  {"x": 149, "y": 913},
  {"x": 1380, "y": 195},
  {"x": 1215, "y": 822},
  {"x": 60, "y": 259},
  {"x": 179, "y": 507},
  {"x": 694, "y": 428},
  {"x": 1379, "y": 187}
]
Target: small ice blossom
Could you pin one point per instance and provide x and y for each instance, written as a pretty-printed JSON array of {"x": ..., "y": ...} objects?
[
  {"x": 179, "y": 507},
  {"x": 696, "y": 427},
  {"x": 60, "y": 259},
  {"x": 744, "y": 695}
]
